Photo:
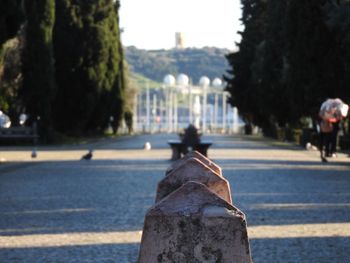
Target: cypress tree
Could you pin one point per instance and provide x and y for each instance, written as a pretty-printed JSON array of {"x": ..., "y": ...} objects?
[
  {"x": 338, "y": 22},
  {"x": 242, "y": 81},
  {"x": 119, "y": 103},
  {"x": 273, "y": 95},
  {"x": 37, "y": 91},
  {"x": 312, "y": 54},
  {"x": 11, "y": 79},
  {"x": 11, "y": 17},
  {"x": 293, "y": 55},
  {"x": 87, "y": 54}
]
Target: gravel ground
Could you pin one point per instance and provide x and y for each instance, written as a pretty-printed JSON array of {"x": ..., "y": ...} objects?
[{"x": 58, "y": 208}]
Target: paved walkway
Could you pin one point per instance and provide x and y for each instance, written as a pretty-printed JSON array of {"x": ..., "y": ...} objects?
[{"x": 60, "y": 209}]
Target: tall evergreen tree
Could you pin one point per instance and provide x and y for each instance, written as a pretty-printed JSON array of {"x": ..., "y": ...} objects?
[
  {"x": 86, "y": 44},
  {"x": 11, "y": 78},
  {"x": 11, "y": 17},
  {"x": 119, "y": 98},
  {"x": 240, "y": 82},
  {"x": 338, "y": 21},
  {"x": 273, "y": 95},
  {"x": 313, "y": 57},
  {"x": 37, "y": 91}
]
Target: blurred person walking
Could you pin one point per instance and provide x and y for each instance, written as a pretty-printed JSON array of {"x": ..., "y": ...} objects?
[{"x": 331, "y": 113}]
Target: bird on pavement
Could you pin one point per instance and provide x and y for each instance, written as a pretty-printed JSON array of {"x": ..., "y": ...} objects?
[
  {"x": 87, "y": 156},
  {"x": 34, "y": 154}
]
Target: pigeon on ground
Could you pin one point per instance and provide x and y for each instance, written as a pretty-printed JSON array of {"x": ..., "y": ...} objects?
[
  {"x": 87, "y": 156},
  {"x": 34, "y": 154}
]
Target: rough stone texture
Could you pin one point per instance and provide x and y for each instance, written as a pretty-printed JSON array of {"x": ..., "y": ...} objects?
[
  {"x": 198, "y": 155},
  {"x": 193, "y": 169},
  {"x": 194, "y": 225}
]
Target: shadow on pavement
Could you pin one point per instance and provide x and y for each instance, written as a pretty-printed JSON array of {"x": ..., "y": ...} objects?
[
  {"x": 121, "y": 253},
  {"x": 103, "y": 197},
  {"x": 159, "y": 141},
  {"x": 113, "y": 195},
  {"x": 301, "y": 250}
]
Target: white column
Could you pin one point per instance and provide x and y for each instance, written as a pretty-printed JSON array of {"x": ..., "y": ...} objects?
[
  {"x": 235, "y": 119},
  {"x": 148, "y": 110},
  {"x": 140, "y": 112},
  {"x": 204, "y": 111},
  {"x": 154, "y": 112},
  {"x": 135, "y": 113},
  {"x": 224, "y": 112},
  {"x": 211, "y": 108},
  {"x": 166, "y": 109},
  {"x": 170, "y": 111},
  {"x": 161, "y": 114},
  {"x": 190, "y": 104},
  {"x": 197, "y": 111},
  {"x": 216, "y": 111},
  {"x": 175, "y": 112}
]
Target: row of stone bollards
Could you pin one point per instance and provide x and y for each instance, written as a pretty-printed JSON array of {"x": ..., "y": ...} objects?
[{"x": 193, "y": 219}]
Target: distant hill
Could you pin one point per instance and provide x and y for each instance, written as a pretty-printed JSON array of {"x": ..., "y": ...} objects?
[{"x": 194, "y": 62}]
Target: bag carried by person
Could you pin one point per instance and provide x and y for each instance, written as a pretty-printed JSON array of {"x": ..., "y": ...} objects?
[{"x": 326, "y": 126}]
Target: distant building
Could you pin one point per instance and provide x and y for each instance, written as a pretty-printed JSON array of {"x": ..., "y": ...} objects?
[{"x": 179, "y": 40}]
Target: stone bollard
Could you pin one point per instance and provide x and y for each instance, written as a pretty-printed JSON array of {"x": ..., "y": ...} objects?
[
  {"x": 191, "y": 225},
  {"x": 198, "y": 155},
  {"x": 192, "y": 169}
]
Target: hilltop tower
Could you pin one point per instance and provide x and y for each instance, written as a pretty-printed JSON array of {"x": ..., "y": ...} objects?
[{"x": 179, "y": 40}]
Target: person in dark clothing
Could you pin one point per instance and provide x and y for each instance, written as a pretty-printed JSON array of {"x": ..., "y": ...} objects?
[
  {"x": 326, "y": 130},
  {"x": 334, "y": 136},
  {"x": 332, "y": 111}
]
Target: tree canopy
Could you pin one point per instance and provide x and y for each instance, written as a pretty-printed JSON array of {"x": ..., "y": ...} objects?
[
  {"x": 194, "y": 62},
  {"x": 71, "y": 63},
  {"x": 88, "y": 59},
  {"x": 37, "y": 91},
  {"x": 11, "y": 17},
  {"x": 291, "y": 58}
]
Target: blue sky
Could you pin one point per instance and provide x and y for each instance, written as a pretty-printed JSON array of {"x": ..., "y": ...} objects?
[{"x": 151, "y": 24}]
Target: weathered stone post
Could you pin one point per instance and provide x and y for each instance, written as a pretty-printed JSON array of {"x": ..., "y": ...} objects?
[
  {"x": 192, "y": 169},
  {"x": 192, "y": 225},
  {"x": 199, "y": 156},
  {"x": 193, "y": 219}
]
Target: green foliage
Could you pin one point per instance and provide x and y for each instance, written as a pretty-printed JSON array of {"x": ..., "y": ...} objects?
[
  {"x": 88, "y": 66},
  {"x": 128, "y": 117},
  {"x": 244, "y": 79},
  {"x": 338, "y": 22},
  {"x": 11, "y": 79},
  {"x": 11, "y": 17},
  {"x": 141, "y": 82},
  {"x": 194, "y": 62},
  {"x": 273, "y": 92},
  {"x": 293, "y": 55},
  {"x": 38, "y": 73},
  {"x": 312, "y": 55}
]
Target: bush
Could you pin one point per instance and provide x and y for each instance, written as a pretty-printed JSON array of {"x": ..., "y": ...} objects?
[{"x": 344, "y": 142}]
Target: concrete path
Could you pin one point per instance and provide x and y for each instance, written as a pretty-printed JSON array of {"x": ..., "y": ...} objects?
[{"x": 58, "y": 208}]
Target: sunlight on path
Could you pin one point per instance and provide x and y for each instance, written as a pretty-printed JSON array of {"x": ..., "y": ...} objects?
[
  {"x": 90, "y": 238},
  {"x": 165, "y": 154}
]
